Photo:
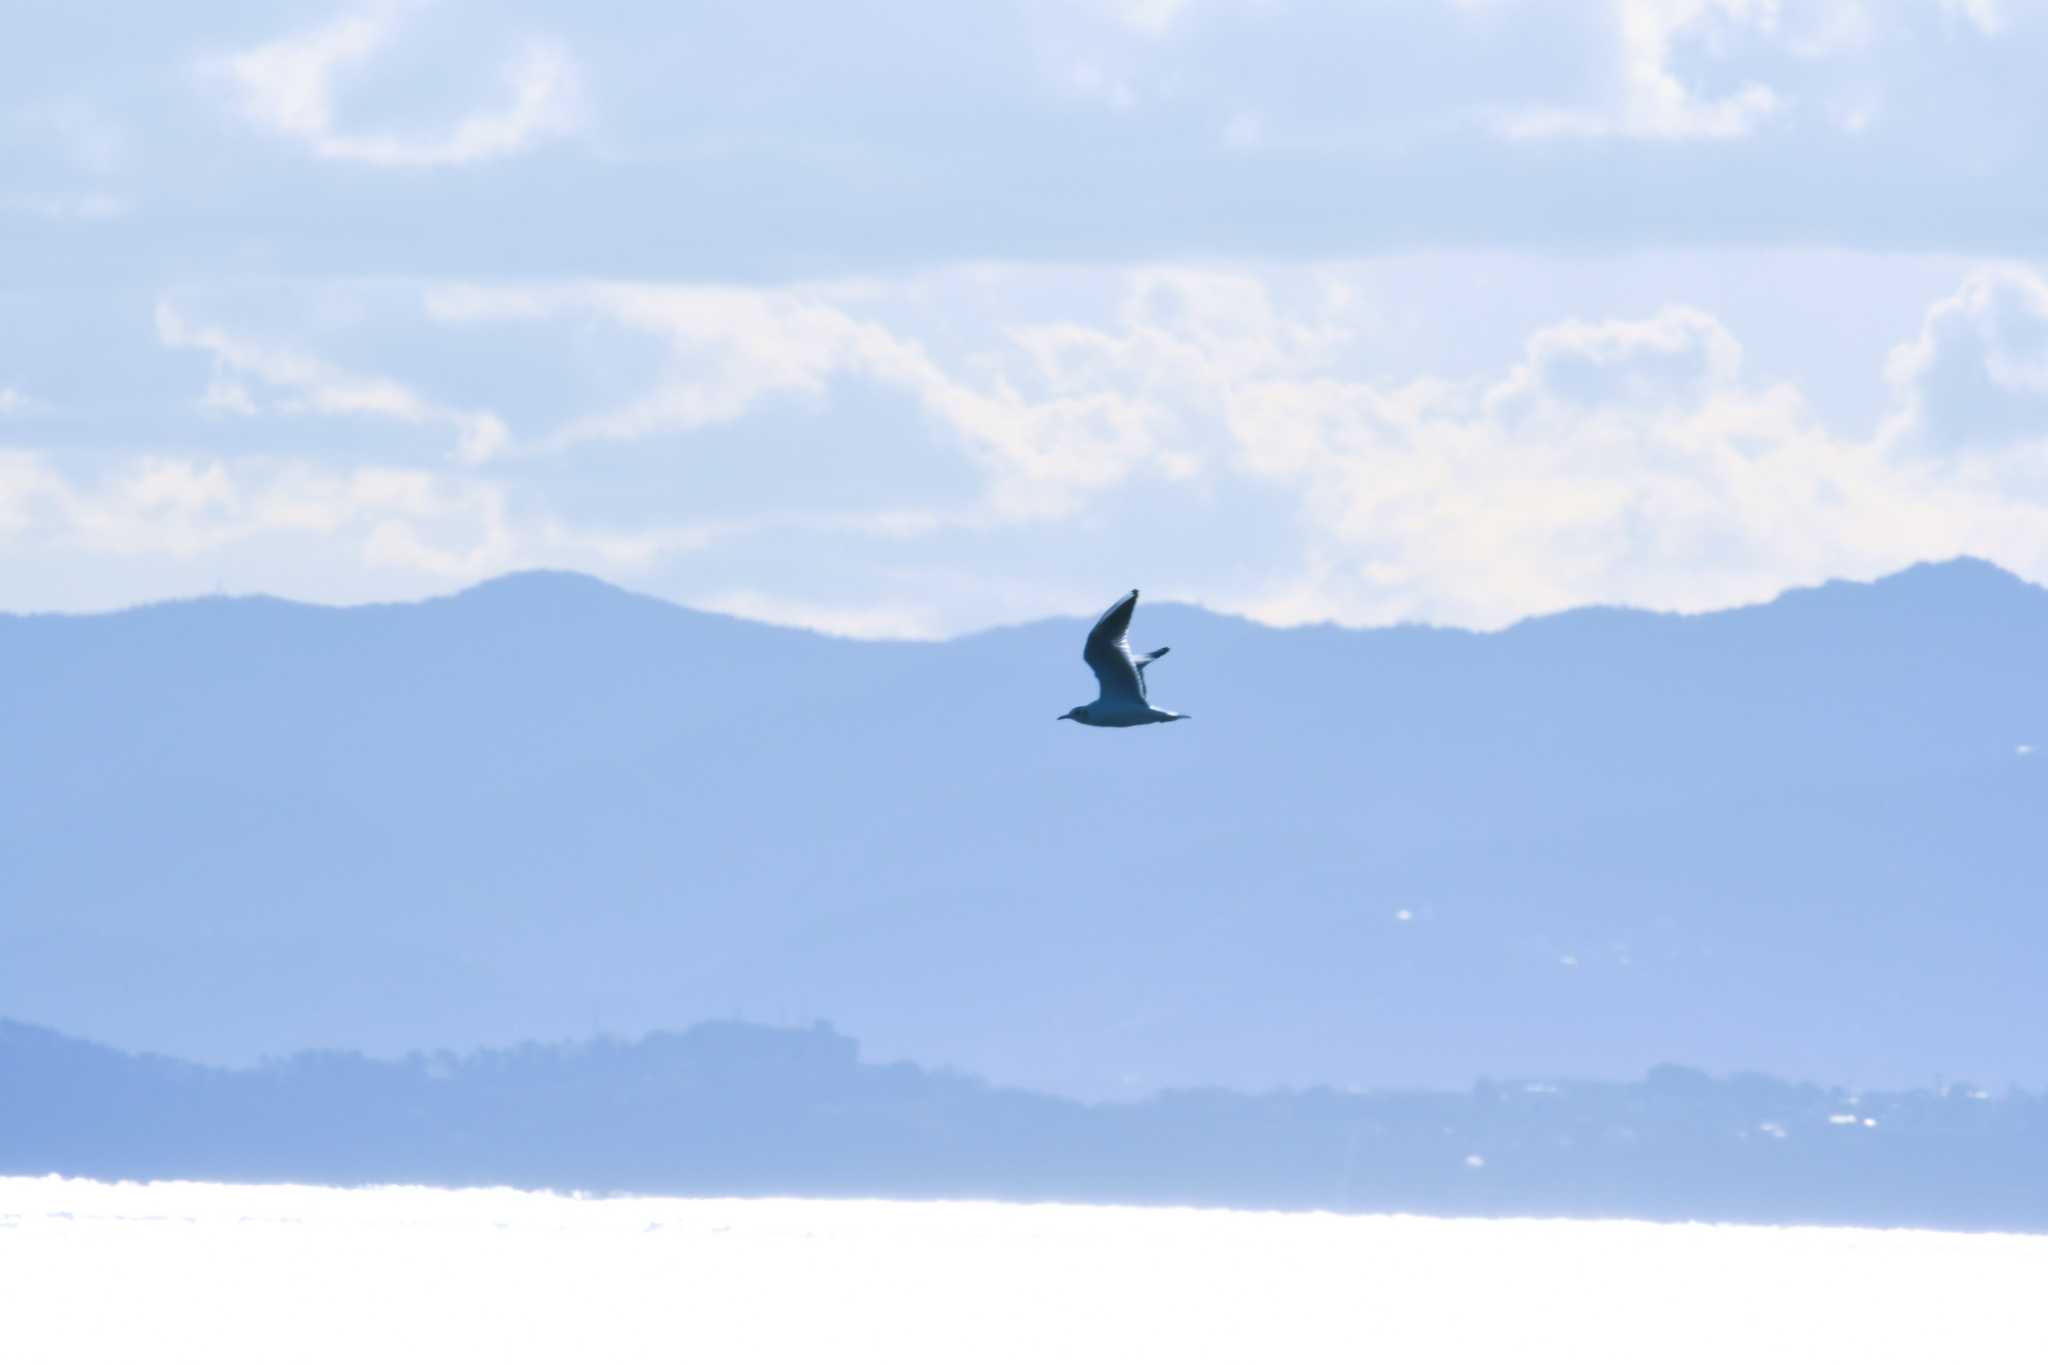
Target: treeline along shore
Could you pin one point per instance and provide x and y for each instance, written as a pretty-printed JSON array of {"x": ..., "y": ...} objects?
[{"x": 743, "y": 1109}]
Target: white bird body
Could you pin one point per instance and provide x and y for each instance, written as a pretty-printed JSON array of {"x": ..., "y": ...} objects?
[{"x": 1119, "y": 674}]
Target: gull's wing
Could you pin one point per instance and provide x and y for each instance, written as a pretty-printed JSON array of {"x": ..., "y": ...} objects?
[{"x": 1109, "y": 653}]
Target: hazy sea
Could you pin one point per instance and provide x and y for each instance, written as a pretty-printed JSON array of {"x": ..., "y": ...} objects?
[{"x": 99, "y": 1272}]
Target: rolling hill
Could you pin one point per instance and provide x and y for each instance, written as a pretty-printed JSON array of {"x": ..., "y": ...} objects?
[{"x": 1804, "y": 837}]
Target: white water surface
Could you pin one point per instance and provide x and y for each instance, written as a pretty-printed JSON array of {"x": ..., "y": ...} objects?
[{"x": 172, "y": 1272}]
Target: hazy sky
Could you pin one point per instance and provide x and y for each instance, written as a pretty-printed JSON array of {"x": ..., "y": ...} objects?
[{"x": 912, "y": 318}]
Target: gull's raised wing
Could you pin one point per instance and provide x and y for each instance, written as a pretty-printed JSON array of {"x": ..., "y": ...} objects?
[{"x": 1108, "y": 653}]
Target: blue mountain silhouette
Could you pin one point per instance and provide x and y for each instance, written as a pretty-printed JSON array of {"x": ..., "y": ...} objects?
[{"x": 1802, "y": 837}]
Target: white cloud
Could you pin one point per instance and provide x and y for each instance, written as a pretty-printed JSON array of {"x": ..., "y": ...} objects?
[
  {"x": 1676, "y": 358},
  {"x": 301, "y": 383},
  {"x": 731, "y": 349},
  {"x": 288, "y": 87},
  {"x": 1216, "y": 423},
  {"x": 430, "y": 528},
  {"x": 897, "y": 620},
  {"x": 1623, "y": 459},
  {"x": 1925, "y": 74},
  {"x": 1977, "y": 375},
  {"x": 26, "y": 486},
  {"x": 1152, "y": 18},
  {"x": 1653, "y": 101},
  {"x": 1988, "y": 15}
]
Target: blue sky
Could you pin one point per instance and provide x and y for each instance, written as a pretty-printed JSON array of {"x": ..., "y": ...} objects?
[{"x": 910, "y": 319}]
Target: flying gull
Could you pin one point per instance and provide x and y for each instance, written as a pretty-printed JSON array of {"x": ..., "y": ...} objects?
[{"x": 1118, "y": 673}]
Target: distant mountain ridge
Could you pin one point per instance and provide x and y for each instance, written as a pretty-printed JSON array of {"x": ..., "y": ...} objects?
[
  {"x": 739, "y": 1109},
  {"x": 1801, "y": 837}
]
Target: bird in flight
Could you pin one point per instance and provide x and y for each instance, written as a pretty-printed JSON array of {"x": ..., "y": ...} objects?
[{"x": 1119, "y": 674}]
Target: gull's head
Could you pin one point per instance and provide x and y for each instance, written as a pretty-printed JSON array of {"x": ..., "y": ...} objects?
[{"x": 1078, "y": 713}]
